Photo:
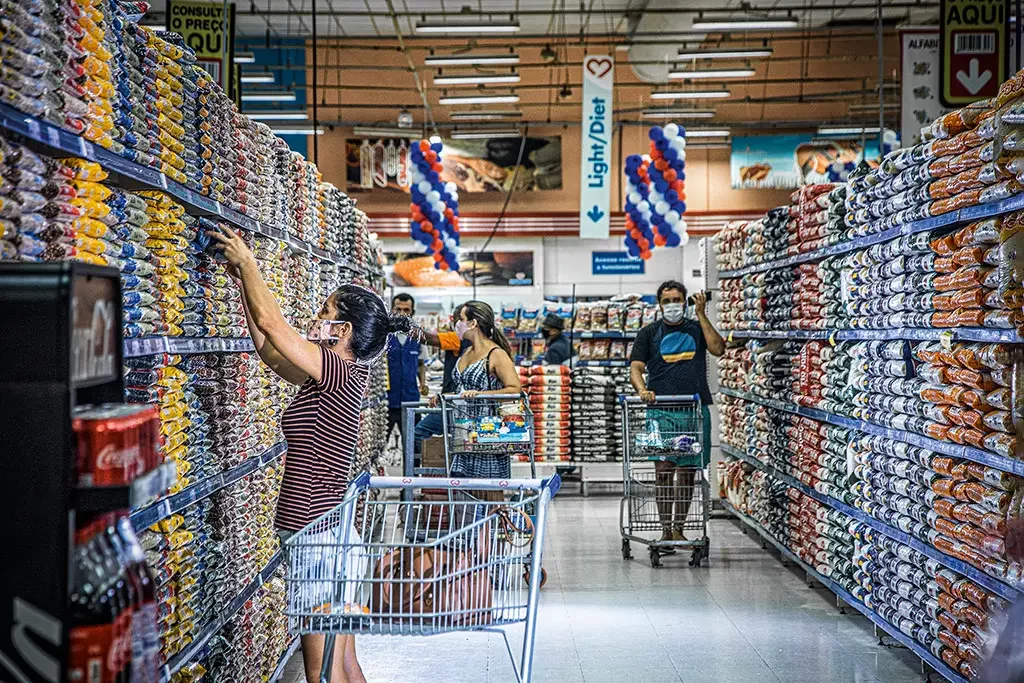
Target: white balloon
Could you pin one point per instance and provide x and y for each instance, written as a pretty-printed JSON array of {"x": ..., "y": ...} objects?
[
  {"x": 671, "y": 131},
  {"x": 684, "y": 237},
  {"x": 672, "y": 217},
  {"x": 647, "y": 158},
  {"x": 433, "y": 197},
  {"x": 440, "y": 207},
  {"x": 643, "y": 207},
  {"x": 635, "y": 198},
  {"x": 681, "y": 226},
  {"x": 678, "y": 144},
  {"x": 423, "y": 186},
  {"x": 661, "y": 208},
  {"x": 681, "y": 156},
  {"x": 451, "y": 187}
]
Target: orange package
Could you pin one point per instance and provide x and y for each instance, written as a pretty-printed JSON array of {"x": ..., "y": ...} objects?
[
  {"x": 972, "y": 378},
  {"x": 944, "y": 264},
  {"x": 944, "y": 465},
  {"x": 965, "y": 354},
  {"x": 981, "y": 232},
  {"x": 993, "y": 477},
  {"x": 963, "y": 278},
  {"x": 992, "y": 499},
  {"x": 955, "y": 203},
  {"x": 969, "y": 256},
  {"x": 945, "y": 246}
]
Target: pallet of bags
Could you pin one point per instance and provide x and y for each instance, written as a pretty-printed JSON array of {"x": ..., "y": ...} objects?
[
  {"x": 549, "y": 389},
  {"x": 593, "y": 410}
]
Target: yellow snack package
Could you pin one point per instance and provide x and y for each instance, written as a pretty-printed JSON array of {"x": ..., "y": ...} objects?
[{"x": 84, "y": 169}]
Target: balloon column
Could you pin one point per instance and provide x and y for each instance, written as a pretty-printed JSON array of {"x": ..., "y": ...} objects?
[
  {"x": 435, "y": 206},
  {"x": 655, "y": 193}
]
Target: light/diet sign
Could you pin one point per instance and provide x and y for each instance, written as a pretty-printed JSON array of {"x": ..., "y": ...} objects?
[{"x": 596, "y": 146}]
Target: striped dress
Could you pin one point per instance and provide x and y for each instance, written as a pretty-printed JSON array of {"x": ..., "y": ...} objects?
[
  {"x": 478, "y": 377},
  {"x": 321, "y": 427}
]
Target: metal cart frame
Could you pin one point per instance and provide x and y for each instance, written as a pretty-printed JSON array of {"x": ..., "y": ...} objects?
[
  {"x": 450, "y": 403},
  {"x": 345, "y": 570},
  {"x": 644, "y": 491}
]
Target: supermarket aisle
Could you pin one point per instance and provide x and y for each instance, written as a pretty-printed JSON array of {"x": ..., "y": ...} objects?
[{"x": 744, "y": 618}]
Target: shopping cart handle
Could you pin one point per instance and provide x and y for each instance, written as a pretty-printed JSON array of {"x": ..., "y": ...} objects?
[
  {"x": 365, "y": 480},
  {"x": 667, "y": 398},
  {"x": 415, "y": 404},
  {"x": 502, "y": 397}
]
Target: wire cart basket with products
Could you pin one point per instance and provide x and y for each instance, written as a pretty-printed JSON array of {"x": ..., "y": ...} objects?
[
  {"x": 664, "y": 488},
  {"x": 384, "y": 564}
]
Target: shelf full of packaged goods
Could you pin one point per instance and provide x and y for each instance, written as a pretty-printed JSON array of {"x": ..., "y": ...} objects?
[
  {"x": 162, "y": 509},
  {"x": 971, "y": 213},
  {"x": 576, "y": 334},
  {"x": 57, "y": 142},
  {"x": 282, "y": 662},
  {"x": 925, "y": 655},
  {"x": 213, "y": 628},
  {"x": 972, "y": 334},
  {"x": 144, "y": 488},
  {"x": 946, "y": 448},
  {"x": 150, "y": 346},
  {"x": 971, "y": 572}
]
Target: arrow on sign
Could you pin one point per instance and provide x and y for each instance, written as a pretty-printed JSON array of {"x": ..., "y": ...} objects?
[
  {"x": 974, "y": 81},
  {"x": 595, "y": 214}
]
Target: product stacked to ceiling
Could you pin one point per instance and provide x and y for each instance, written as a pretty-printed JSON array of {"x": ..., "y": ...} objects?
[
  {"x": 875, "y": 341},
  {"x": 87, "y": 68}
]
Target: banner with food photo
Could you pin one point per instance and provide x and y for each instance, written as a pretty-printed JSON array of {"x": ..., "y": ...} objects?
[
  {"x": 485, "y": 165},
  {"x": 485, "y": 269},
  {"x": 786, "y": 162}
]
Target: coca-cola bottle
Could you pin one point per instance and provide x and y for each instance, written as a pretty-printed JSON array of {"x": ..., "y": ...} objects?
[
  {"x": 148, "y": 663},
  {"x": 95, "y": 611}
]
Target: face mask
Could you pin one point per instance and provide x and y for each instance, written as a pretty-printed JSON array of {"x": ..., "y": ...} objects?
[
  {"x": 320, "y": 331},
  {"x": 460, "y": 328},
  {"x": 672, "y": 313}
]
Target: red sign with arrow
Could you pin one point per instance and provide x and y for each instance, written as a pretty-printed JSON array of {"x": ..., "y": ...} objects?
[{"x": 974, "y": 49}]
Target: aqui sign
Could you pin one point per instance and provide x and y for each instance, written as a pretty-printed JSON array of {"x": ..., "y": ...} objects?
[
  {"x": 202, "y": 25},
  {"x": 596, "y": 147},
  {"x": 973, "y": 46}
]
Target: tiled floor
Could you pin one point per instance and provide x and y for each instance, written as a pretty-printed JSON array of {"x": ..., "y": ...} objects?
[{"x": 743, "y": 618}]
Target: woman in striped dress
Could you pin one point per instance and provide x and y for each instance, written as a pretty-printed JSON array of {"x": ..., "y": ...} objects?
[
  {"x": 321, "y": 425},
  {"x": 485, "y": 368}
]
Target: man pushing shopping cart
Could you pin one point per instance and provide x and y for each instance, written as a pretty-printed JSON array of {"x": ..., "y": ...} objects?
[{"x": 672, "y": 352}]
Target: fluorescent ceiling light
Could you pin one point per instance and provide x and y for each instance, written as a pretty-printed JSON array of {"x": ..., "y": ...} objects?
[
  {"x": 471, "y": 60},
  {"x": 385, "y": 132},
  {"x": 468, "y": 27},
  {"x": 484, "y": 134},
  {"x": 485, "y": 115},
  {"x": 277, "y": 115},
  {"x": 479, "y": 79},
  {"x": 711, "y": 73},
  {"x": 269, "y": 96},
  {"x": 623, "y": 47},
  {"x": 688, "y": 94},
  {"x": 296, "y": 131},
  {"x": 743, "y": 24},
  {"x": 846, "y": 130},
  {"x": 725, "y": 54},
  {"x": 705, "y": 133},
  {"x": 479, "y": 99},
  {"x": 245, "y": 58},
  {"x": 257, "y": 78},
  {"x": 665, "y": 113}
]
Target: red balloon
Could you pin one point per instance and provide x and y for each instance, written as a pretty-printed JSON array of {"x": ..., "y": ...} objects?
[
  {"x": 427, "y": 226},
  {"x": 437, "y": 245},
  {"x": 643, "y": 243},
  {"x": 435, "y": 232},
  {"x": 635, "y": 234},
  {"x": 448, "y": 213},
  {"x": 682, "y": 196},
  {"x": 430, "y": 156},
  {"x": 443, "y": 264},
  {"x": 661, "y": 165},
  {"x": 438, "y": 257},
  {"x": 424, "y": 146},
  {"x": 646, "y": 254},
  {"x": 659, "y": 240},
  {"x": 437, "y": 166},
  {"x": 678, "y": 184},
  {"x": 669, "y": 175}
]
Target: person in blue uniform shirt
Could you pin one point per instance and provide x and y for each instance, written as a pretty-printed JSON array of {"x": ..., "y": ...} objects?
[
  {"x": 406, "y": 373},
  {"x": 673, "y": 352},
  {"x": 556, "y": 347}
]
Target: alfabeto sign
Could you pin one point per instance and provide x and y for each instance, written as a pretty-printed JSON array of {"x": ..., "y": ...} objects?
[{"x": 973, "y": 50}]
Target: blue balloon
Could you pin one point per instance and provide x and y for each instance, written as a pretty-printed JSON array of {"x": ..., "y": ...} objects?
[
  {"x": 682, "y": 131},
  {"x": 673, "y": 240},
  {"x": 661, "y": 186},
  {"x": 634, "y": 159},
  {"x": 670, "y": 155},
  {"x": 642, "y": 224},
  {"x": 681, "y": 176},
  {"x": 432, "y": 176},
  {"x": 656, "y": 133},
  {"x": 437, "y": 146},
  {"x": 455, "y": 210},
  {"x": 682, "y": 208},
  {"x": 644, "y": 190},
  {"x": 415, "y": 153},
  {"x": 661, "y": 145},
  {"x": 415, "y": 225},
  {"x": 672, "y": 197}
]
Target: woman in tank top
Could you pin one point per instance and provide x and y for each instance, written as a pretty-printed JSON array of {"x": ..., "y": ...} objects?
[
  {"x": 486, "y": 367},
  {"x": 321, "y": 425}
]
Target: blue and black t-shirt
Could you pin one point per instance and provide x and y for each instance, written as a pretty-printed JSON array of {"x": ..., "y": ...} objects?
[{"x": 676, "y": 358}]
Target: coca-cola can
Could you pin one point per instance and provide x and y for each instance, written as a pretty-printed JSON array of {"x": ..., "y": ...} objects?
[{"x": 115, "y": 443}]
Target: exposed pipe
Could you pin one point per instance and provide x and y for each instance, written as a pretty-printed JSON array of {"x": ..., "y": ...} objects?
[
  {"x": 880, "y": 85},
  {"x": 316, "y": 48},
  {"x": 412, "y": 67}
]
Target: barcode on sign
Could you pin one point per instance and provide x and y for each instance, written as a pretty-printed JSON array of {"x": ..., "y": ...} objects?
[{"x": 974, "y": 44}]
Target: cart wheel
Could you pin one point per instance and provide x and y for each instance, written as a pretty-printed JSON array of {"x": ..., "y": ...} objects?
[
  {"x": 698, "y": 554},
  {"x": 543, "y": 576},
  {"x": 627, "y": 552},
  {"x": 655, "y": 557}
]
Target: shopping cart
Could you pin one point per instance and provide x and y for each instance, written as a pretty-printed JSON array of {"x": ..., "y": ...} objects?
[
  {"x": 395, "y": 567},
  {"x": 480, "y": 430},
  {"x": 664, "y": 489},
  {"x": 411, "y": 410}
]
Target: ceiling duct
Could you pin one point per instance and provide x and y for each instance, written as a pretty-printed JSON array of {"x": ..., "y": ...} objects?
[{"x": 652, "y": 63}]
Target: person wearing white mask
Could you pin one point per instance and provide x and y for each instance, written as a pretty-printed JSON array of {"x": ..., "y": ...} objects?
[{"x": 673, "y": 353}]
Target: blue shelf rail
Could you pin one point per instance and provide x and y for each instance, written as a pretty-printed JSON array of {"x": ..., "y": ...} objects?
[
  {"x": 925, "y": 655},
  {"x": 951, "y": 449},
  {"x": 976, "y": 575},
  {"x": 978, "y": 334},
  {"x": 162, "y": 509},
  {"x": 971, "y": 213},
  {"x": 149, "y": 346}
]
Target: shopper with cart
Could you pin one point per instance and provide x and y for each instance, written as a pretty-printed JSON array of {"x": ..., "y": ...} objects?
[
  {"x": 321, "y": 425},
  {"x": 672, "y": 351},
  {"x": 453, "y": 347}
]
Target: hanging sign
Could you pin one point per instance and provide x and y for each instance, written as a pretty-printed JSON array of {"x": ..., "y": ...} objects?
[
  {"x": 615, "y": 263},
  {"x": 919, "y": 83},
  {"x": 596, "y": 147},
  {"x": 204, "y": 28},
  {"x": 973, "y": 42}
]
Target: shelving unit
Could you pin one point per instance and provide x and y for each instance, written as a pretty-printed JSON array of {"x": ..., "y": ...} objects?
[
  {"x": 976, "y": 334},
  {"x": 843, "y": 595},
  {"x": 292, "y": 648}
]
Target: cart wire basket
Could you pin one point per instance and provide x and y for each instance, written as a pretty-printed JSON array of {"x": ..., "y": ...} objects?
[
  {"x": 496, "y": 424},
  {"x": 385, "y": 565},
  {"x": 664, "y": 488}
]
